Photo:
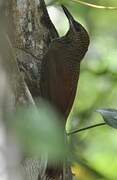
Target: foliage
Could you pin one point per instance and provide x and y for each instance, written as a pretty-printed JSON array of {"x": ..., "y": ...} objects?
[
  {"x": 109, "y": 116},
  {"x": 39, "y": 131}
]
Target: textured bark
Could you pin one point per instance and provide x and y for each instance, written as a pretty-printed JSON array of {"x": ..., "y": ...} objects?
[
  {"x": 13, "y": 91},
  {"x": 29, "y": 33}
]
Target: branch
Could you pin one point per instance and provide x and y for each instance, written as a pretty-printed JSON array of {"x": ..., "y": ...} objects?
[{"x": 85, "y": 128}]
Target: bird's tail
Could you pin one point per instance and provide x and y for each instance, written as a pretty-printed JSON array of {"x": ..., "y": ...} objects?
[
  {"x": 54, "y": 171},
  {"x": 58, "y": 172}
]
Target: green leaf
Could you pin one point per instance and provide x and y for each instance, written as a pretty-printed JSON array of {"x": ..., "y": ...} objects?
[
  {"x": 40, "y": 131},
  {"x": 109, "y": 116}
]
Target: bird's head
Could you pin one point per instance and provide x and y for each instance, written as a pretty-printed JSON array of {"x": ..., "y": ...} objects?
[{"x": 76, "y": 30}]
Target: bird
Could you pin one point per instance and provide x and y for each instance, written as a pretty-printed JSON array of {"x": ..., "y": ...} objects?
[{"x": 61, "y": 68}]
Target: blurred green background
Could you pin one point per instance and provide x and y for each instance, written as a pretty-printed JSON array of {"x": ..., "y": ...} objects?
[{"x": 96, "y": 149}]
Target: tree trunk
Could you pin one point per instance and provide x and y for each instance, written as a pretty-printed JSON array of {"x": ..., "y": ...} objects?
[{"x": 30, "y": 32}]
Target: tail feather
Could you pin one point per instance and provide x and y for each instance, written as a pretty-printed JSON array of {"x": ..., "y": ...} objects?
[{"x": 54, "y": 171}]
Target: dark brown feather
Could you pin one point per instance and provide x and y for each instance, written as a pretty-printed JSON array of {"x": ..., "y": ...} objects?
[{"x": 60, "y": 72}]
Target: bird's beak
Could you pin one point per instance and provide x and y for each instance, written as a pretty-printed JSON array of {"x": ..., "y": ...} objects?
[{"x": 69, "y": 16}]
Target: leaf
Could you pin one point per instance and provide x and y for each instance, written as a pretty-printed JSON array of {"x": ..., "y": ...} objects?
[
  {"x": 109, "y": 116},
  {"x": 40, "y": 131}
]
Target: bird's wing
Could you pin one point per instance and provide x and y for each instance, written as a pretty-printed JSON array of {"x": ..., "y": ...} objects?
[{"x": 57, "y": 81}]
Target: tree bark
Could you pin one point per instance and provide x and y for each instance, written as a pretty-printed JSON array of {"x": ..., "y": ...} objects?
[
  {"x": 29, "y": 32},
  {"x": 13, "y": 91}
]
